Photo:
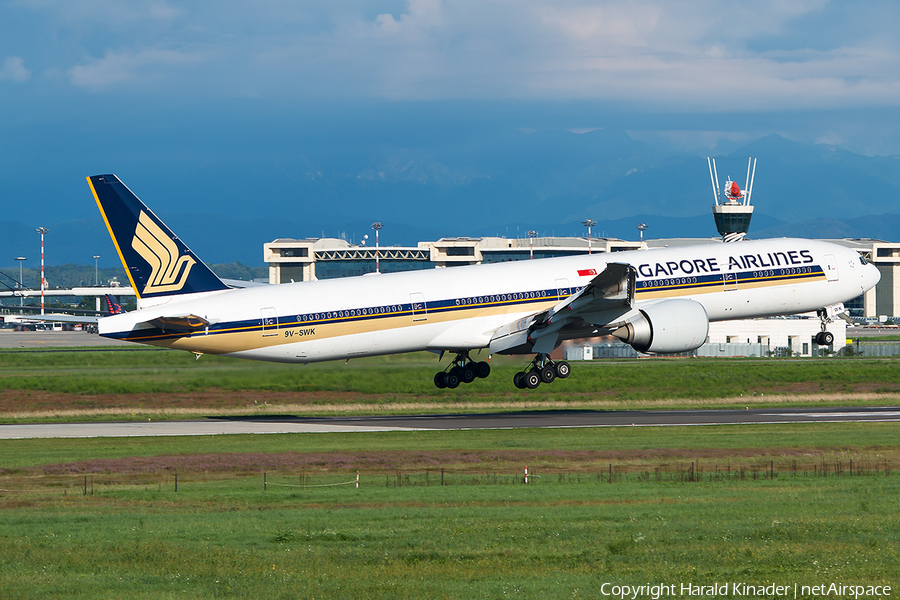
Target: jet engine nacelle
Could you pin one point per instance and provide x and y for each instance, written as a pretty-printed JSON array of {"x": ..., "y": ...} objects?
[{"x": 667, "y": 327}]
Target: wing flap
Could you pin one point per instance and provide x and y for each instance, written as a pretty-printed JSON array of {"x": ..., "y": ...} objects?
[
  {"x": 608, "y": 295},
  {"x": 512, "y": 335},
  {"x": 612, "y": 288}
]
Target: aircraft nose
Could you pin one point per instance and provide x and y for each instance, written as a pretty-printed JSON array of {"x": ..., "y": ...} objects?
[{"x": 871, "y": 276}]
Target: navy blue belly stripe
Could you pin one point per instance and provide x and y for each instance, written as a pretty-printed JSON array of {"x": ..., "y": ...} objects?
[{"x": 771, "y": 276}]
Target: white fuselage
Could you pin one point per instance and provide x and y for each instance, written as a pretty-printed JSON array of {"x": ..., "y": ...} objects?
[{"x": 460, "y": 308}]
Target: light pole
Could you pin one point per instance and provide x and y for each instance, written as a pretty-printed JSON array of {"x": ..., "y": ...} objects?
[
  {"x": 531, "y": 235},
  {"x": 96, "y": 271},
  {"x": 377, "y": 227},
  {"x": 589, "y": 223},
  {"x": 642, "y": 227},
  {"x": 21, "y": 284},
  {"x": 42, "y": 231}
]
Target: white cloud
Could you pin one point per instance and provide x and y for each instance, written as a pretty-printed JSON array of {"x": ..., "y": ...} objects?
[
  {"x": 102, "y": 13},
  {"x": 14, "y": 69},
  {"x": 831, "y": 138},
  {"x": 116, "y": 68},
  {"x": 674, "y": 54},
  {"x": 682, "y": 55},
  {"x": 691, "y": 140}
]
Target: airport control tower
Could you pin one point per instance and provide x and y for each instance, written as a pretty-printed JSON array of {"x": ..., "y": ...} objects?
[{"x": 732, "y": 209}]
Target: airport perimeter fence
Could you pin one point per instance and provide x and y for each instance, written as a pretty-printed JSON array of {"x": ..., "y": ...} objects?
[
  {"x": 694, "y": 471},
  {"x": 279, "y": 481},
  {"x": 872, "y": 349},
  {"x": 734, "y": 350}
]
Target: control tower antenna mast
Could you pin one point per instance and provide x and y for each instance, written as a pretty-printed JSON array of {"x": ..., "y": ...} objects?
[{"x": 733, "y": 212}]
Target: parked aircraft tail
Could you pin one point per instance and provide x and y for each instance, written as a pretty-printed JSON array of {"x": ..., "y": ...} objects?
[
  {"x": 157, "y": 262},
  {"x": 112, "y": 305}
]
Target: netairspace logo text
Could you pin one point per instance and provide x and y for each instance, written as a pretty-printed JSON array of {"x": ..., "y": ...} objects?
[{"x": 744, "y": 590}]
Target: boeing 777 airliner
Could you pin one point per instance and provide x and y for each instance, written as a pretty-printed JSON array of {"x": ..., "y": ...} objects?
[{"x": 658, "y": 301}]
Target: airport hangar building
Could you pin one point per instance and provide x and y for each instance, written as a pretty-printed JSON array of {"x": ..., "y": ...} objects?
[{"x": 328, "y": 258}]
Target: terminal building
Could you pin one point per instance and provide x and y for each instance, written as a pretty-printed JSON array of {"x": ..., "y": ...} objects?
[{"x": 327, "y": 258}]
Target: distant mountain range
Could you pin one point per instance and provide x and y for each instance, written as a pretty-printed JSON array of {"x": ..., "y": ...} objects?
[{"x": 504, "y": 185}]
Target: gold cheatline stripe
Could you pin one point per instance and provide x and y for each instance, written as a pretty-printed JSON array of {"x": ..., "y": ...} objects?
[
  {"x": 249, "y": 338},
  {"x": 444, "y": 314}
]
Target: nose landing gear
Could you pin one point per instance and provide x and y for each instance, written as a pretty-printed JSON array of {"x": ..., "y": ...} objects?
[
  {"x": 461, "y": 370},
  {"x": 824, "y": 337},
  {"x": 543, "y": 370}
]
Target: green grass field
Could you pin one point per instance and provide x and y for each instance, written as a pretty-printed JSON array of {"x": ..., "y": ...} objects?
[
  {"x": 727, "y": 440},
  {"x": 101, "y": 518},
  {"x": 162, "y": 371},
  {"x": 555, "y": 540},
  {"x": 562, "y": 536}
]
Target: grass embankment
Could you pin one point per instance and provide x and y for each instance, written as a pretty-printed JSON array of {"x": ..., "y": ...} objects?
[
  {"x": 401, "y": 448},
  {"x": 165, "y": 384},
  {"x": 563, "y": 535}
]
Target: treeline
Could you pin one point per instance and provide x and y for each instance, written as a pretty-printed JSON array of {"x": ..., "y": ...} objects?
[
  {"x": 238, "y": 270},
  {"x": 72, "y": 275}
]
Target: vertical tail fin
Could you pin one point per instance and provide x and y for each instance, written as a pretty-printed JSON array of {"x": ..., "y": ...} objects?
[{"x": 157, "y": 262}]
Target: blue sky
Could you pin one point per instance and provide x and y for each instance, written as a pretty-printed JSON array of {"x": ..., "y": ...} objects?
[{"x": 229, "y": 90}]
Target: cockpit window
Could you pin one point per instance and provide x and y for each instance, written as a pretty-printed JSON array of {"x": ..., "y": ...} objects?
[{"x": 863, "y": 260}]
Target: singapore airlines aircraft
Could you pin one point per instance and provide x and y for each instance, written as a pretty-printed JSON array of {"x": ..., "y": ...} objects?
[{"x": 658, "y": 301}]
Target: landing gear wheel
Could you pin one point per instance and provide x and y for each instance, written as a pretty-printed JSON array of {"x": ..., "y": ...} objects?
[
  {"x": 440, "y": 380},
  {"x": 562, "y": 369},
  {"x": 532, "y": 379},
  {"x": 826, "y": 338},
  {"x": 482, "y": 369},
  {"x": 519, "y": 380},
  {"x": 452, "y": 379},
  {"x": 548, "y": 374},
  {"x": 466, "y": 373}
]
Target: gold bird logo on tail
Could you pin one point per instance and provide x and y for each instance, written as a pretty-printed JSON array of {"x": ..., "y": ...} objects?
[{"x": 169, "y": 271}]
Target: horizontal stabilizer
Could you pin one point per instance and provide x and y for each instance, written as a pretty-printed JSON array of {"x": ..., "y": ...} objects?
[
  {"x": 180, "y": 324},
  {"x": 60, "y": 318}
]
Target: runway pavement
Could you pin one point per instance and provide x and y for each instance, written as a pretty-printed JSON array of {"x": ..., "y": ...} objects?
[
  {"x": 57, "y": 339},
  {"x": 547, "y": 419}
]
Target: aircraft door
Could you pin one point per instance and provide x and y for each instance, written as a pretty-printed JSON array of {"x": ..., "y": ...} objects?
[
  {"x": 269, "y": 321},
  {"x": 562, "y": 288},
  {"x": 730, "y": 280},
  {"x": 419, "y": 308},
  {"x": 831, "y": 269}
]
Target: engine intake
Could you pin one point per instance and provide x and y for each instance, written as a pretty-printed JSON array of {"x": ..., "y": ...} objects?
[{"x": 666, "y": 327}]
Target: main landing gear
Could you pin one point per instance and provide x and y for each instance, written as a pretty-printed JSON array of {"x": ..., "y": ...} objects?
[
  {"x": 461, "y": 370},
  {"x": 543, "y": 369}
]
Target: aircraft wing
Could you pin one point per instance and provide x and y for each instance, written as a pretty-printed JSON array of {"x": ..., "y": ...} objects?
[{"x": 601, "y": 303}]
